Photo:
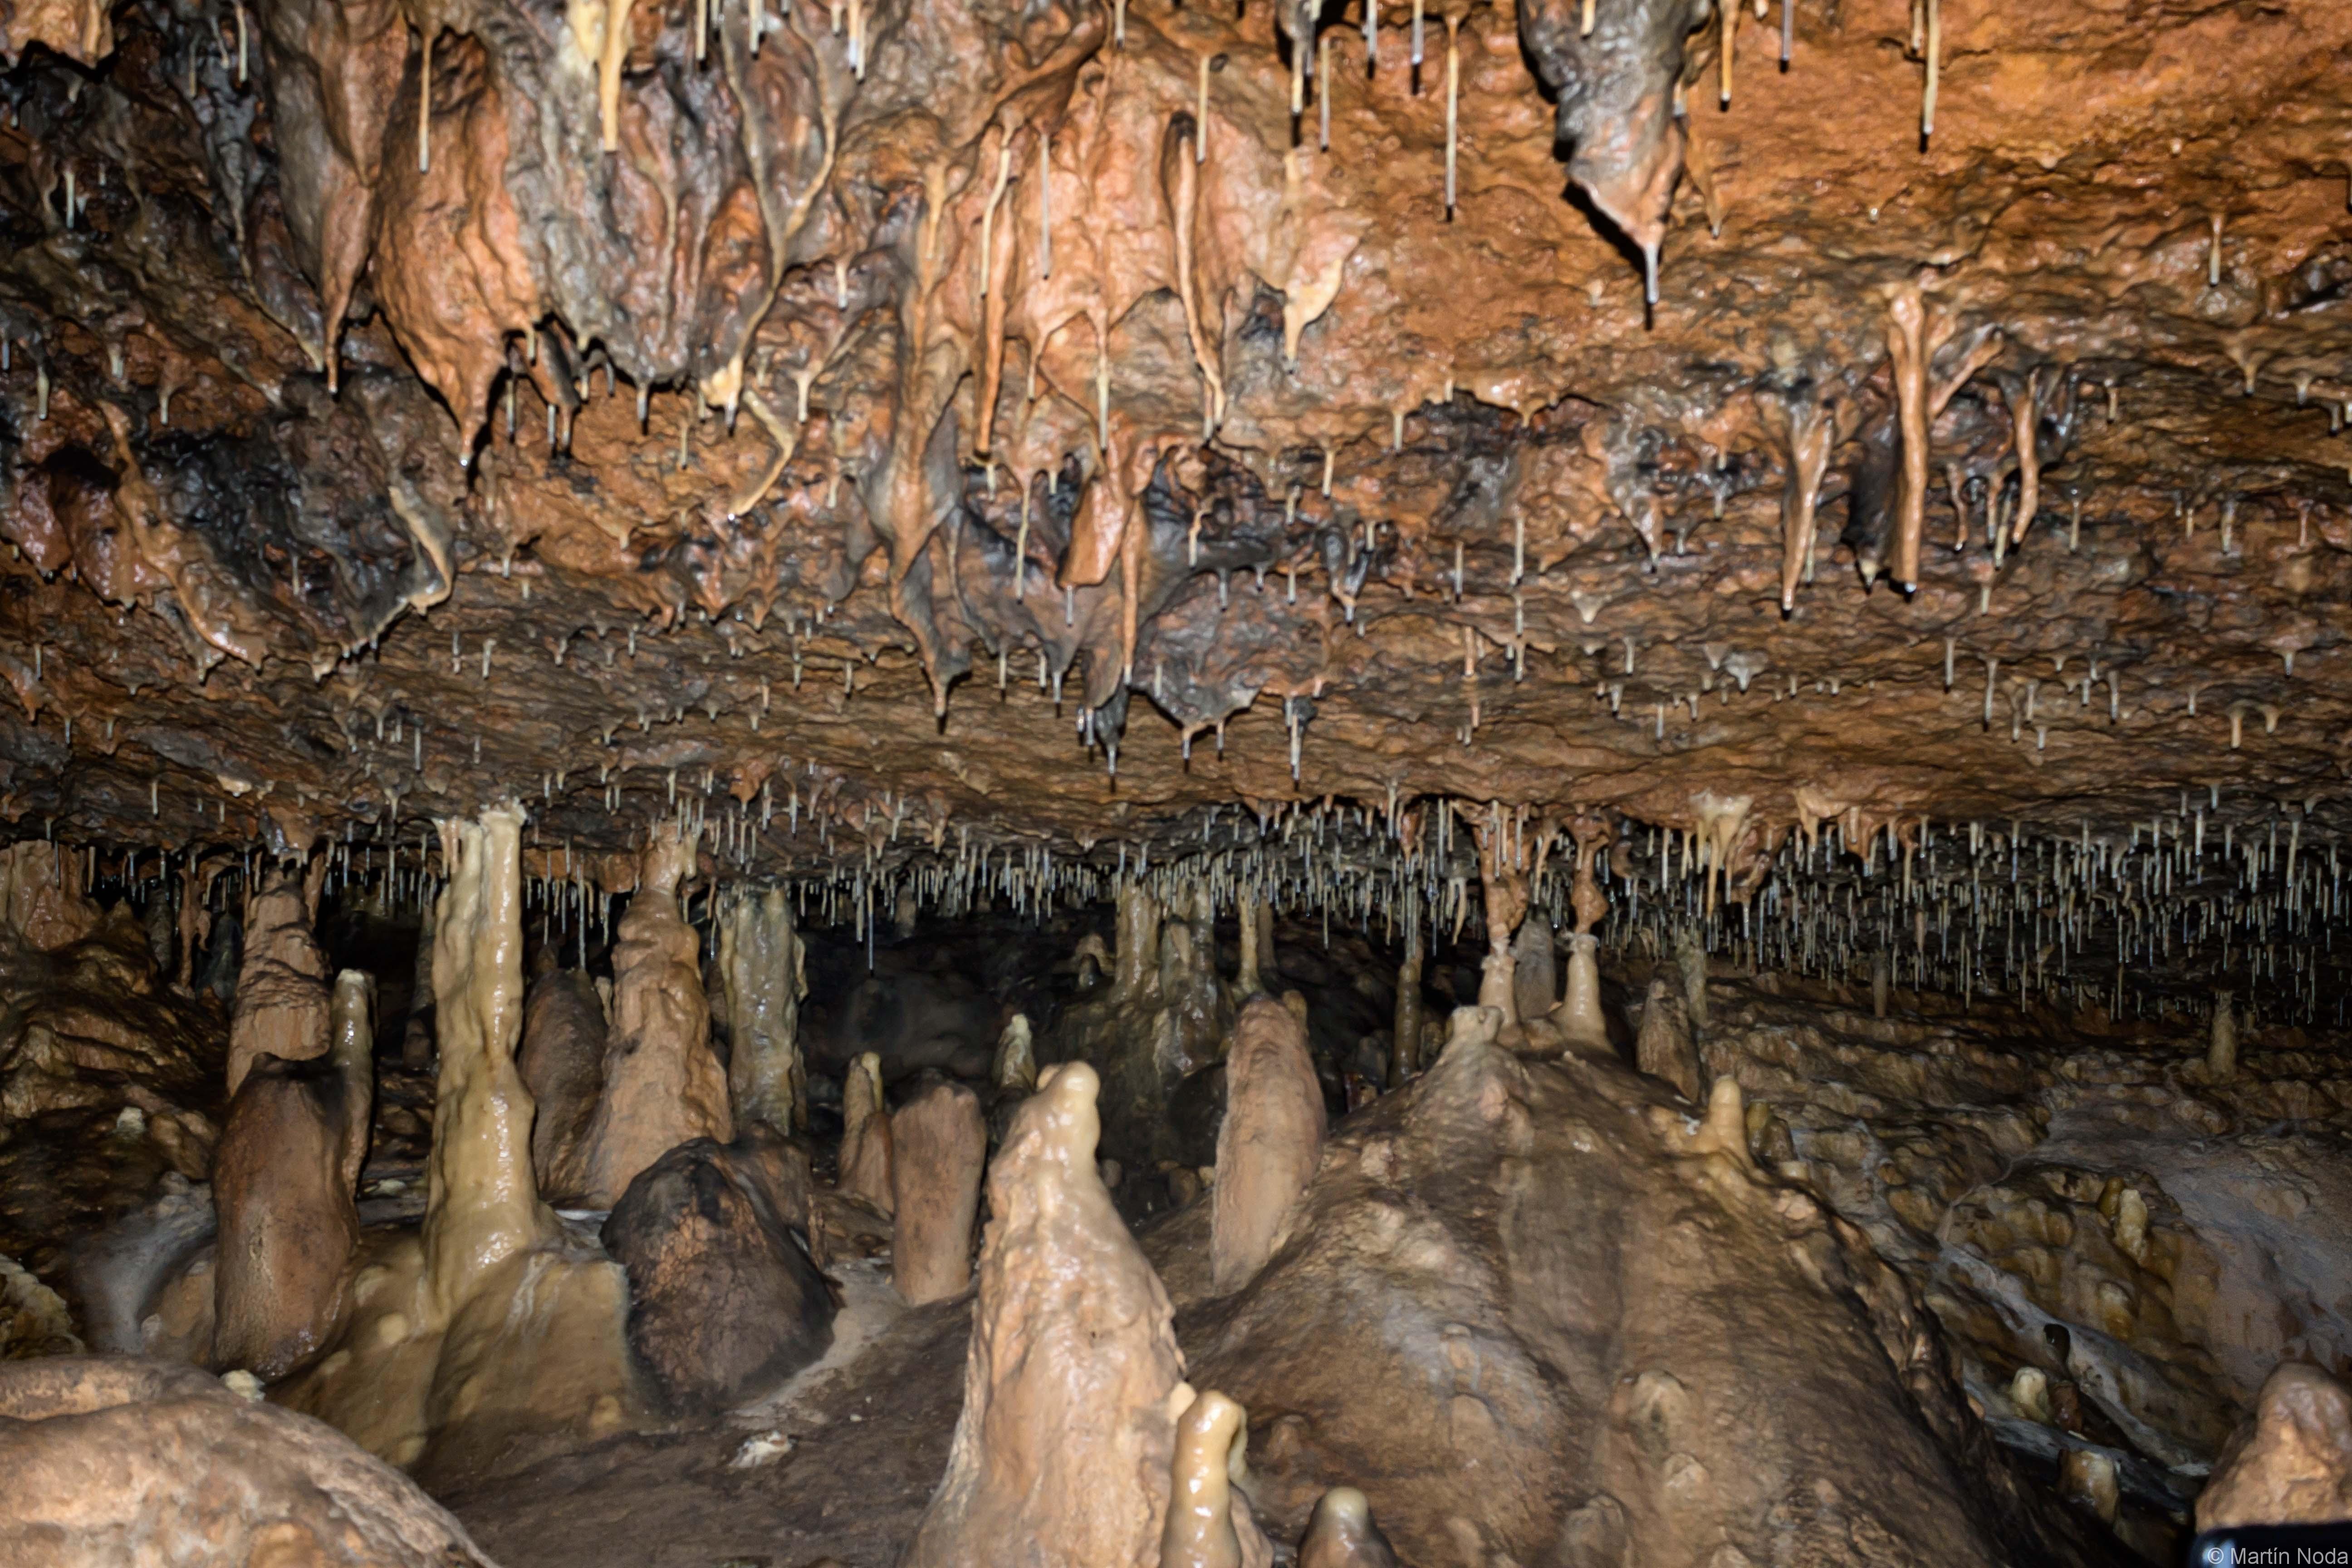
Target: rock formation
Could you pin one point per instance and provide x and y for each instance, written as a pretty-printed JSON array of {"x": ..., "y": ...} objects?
[
  {"x": 1270, "y": 1141},
  {"x": 142, "y": 1464},
  {"x": 1209, "y": 1523},
  {"x": 867, "y": 1159},
  {"x": 1073, "y": 1382},
  {"x": 938, "y": 1150},
  {"x": 724, "y": 1303},
  {"x": 763, "y": 970},
  {"x": 561, "y": 1063},
  {"x": 284, "y": 1186},
  {"x": 2292, "y": 1463},
  {"x": 490, "y": 1330},
  {"x": 1342, "y": 1535},
  {"x": 282, "y": 1000},
  {"x": 1663, "y": 1048},
  {"x": 662, "y": 1087}
]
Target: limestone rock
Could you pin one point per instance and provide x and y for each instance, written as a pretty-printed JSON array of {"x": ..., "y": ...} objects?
[
  {"x": 2292, "y": 1464},
  {"x": 285, "y": 1188},
  {"x": 33, "y": 1318},
  {"x": 282, "y": 1001},
  {"x": 1342, "y": 1534},
  {"x": 563, "y": 1068},
  {"x": 663, "y": 1086},
  {"x": 1549, "y": 1280},
  {"x": 1072, "y": 1385},
  {"x": 123, "y": 1463},
  {"x": 41, "y": 900},
  {"x": 1663, "y": 1048},
  {"x": 1269, "y": 1143},
  {"x": 938, "y": 1151},
  {"x": 762, "y": 971},
  {"x": 724, "y": 1302},
  {"x": 867, "y": 1158}
]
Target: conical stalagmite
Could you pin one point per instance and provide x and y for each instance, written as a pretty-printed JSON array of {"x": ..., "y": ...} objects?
[
  {"x": 1073, "y": 1381},
  {"x": 866, "y": 1146},
  {"x": 285, "y": 1187},
  {"x": 1342, "y": 1534},
  {"x": 663, "y": 1085},
  {"x": 562, "y": 1066},
  {"x": 1269, "y": 1143},
  {"x": 1209, "y": 1523},
  {"x": 1663, "y": 1048},
  {"x": 938, "y": 1148},
  {"x": 2221, "y": 1050}
]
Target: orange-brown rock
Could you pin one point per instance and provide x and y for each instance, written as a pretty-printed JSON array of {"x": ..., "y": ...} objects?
[
  {"x": 938, "y": 1151},
  {"x": 282, "y": 1001},
  {"x": 1269, "y": 1143},
  {"x": 1342, "y": 1534},
  {"x": 285, "y": 1187},
  {"x": 41, "y": 900},
  {"x": 1073, "y": 1382},
  {"x": 2292, "y": 1462},
  {"x": 561, "y": 1063},
  {"x": 142, "y": 1464},
  {"x": 663, "y": 1085},
  {"x": 866, "y": 1157}
]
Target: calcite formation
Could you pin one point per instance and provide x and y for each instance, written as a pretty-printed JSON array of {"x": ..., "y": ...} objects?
[
  {"x": 284, "y": 1186},
  {"x": 1073, "y": 1383},
  {"x": 1268, "y": 1143},
  {"x": 147, "y": 1464}
]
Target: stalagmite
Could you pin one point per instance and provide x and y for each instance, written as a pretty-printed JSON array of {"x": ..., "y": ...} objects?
[
  {"x": 1063, "y": 1455},
  {"x": 663, "y": 1084},
  {"x": 1580, "y": 1013},
  {"x": 1268, "y": 1145},
  {"x": 561, "y": 1061},
  {"x": 2222, "y": 1051},
  {"x": 282, "y": 1001},
  {"x": 1404, "y": 1049},
  {"x": 1014, "y": 1065},
  {"x": 1342, "y": 1534},
  {"x": 1209, "y": 1523},
  {"x": 1690, "y": 961},
  {"x": 939, "y": 1149},
  {"x": 285, "y": 1185},
  {"x": 1663, "y": 1048},
  {"x": 482, "y": 1205},
  {"x": 762, "y": 968},
  {"x": 865, "y": 1146}
]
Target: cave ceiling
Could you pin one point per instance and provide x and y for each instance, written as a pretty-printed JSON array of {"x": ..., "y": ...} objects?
[{"x": 1012, "y": 420}]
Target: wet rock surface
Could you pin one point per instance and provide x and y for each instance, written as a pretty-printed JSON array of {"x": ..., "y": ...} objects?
[
  {"x": 724, "y": 1303},
  {"x": 143, "y": 1462}
]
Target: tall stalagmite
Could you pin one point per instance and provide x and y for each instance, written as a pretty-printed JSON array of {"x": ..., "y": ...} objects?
[
  {"x": 1073, "y": 1382},
  {"x": 663, "y": 1085}
]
